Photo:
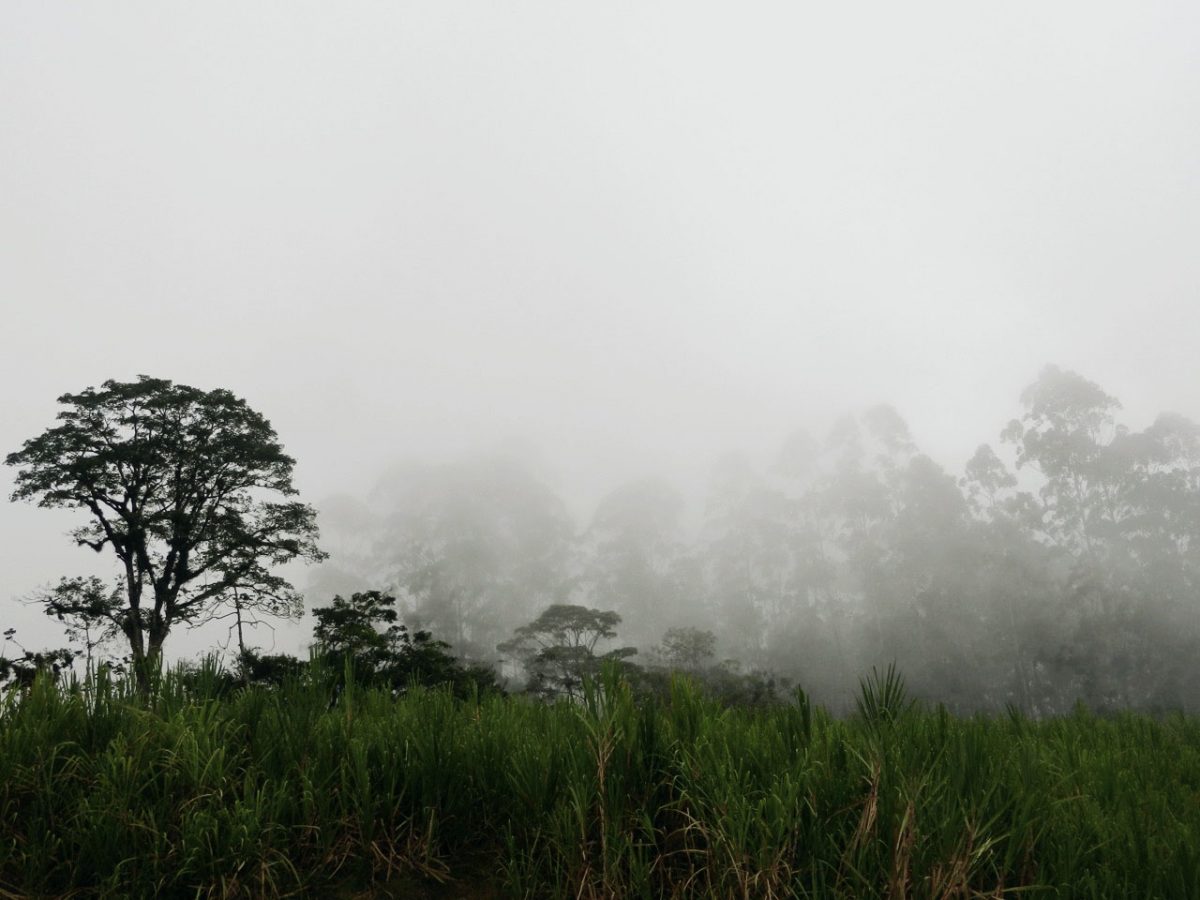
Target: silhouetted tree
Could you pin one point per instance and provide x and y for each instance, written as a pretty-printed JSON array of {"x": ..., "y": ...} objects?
[
  {"x": 363, "y": 628},
  {"x": 22, "y": 667},
  {"x": 558, "y": 648},
  {"x": 176, "y": 482}
]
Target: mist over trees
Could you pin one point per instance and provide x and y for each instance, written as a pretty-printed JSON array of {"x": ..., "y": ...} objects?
[{"x": 1060, "y": 565}]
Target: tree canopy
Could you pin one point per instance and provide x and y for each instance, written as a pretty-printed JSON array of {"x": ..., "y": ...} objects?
[
  {"x": 558, "y": 648},
  {"x": 189, "y": 489}
]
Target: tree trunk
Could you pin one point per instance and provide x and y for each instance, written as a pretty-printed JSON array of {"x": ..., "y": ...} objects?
[
  {"x": 147, "y": 662},
  {"x": 243, "y": 660}
]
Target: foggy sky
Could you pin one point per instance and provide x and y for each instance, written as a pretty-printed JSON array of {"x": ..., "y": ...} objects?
[{"x": 630, "y": 236}]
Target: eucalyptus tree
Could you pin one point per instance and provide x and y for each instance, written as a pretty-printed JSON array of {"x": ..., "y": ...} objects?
[
  {"x": 854, "y": 500},
  {"x": 634, "y": 559},
  {"x": 1018, "y": 584},
  {"x": 882, "y": 563},
  {"x": 1067, "y": 436},
  {"x": 747, "y": 552},
  {"x": 473, "y": 547},
  {"x": 190, "y": 490},
  {"x": 938, "y": 630},
  {"x": 1121, "y": 512}
]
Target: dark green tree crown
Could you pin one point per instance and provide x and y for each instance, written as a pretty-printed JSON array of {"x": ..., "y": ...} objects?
[{"x": 183, "y": 485}]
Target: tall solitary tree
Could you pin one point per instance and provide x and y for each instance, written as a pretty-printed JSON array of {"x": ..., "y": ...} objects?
[{"x": 189, "y": 489}]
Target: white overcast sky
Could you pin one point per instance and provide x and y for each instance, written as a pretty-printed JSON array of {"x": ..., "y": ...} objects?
[{"x": 632, "y": 235}]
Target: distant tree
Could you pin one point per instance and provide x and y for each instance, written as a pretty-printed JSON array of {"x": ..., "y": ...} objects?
[
  {"x": 1067, "y": 436},
  {"x": 843, "y": 524},
  {"x": 364, "y": 631},
  {"x": 880, "y": 564},
  {"x": 22, "y": 667},
  {"x": 472, "y": 547},
  {"x": 558, "y": 648},
  {"x": 692, "y": 652},
  {"x": 178, "y": 485},
  {"x": 986, "y": 481},
  {"x": 269, "y": 668},
  {"x": 634, "y": 559},
  {"x": 929, "y": 574},
  {"x": 91, "y": 611},
  {"x": 747, "y": 545},
  {"x": 1119, "y": 515},
  {"x": 1018, "y": 589},
  {"x": 687, "y": 649}
]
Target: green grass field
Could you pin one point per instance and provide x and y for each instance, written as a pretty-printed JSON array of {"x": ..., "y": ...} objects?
[{"x": 262, "y": 792}]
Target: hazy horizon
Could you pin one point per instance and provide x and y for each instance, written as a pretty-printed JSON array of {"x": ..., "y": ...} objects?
[{"x": 628, "y": 239}]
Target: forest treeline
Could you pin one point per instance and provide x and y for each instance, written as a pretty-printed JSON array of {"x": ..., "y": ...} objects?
[{"x": 1060, "y": 566}]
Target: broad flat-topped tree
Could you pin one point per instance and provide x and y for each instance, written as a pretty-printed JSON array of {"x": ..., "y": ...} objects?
[
  {"x": 558, "y": 648},
  {"x": 188, "y": 488}
]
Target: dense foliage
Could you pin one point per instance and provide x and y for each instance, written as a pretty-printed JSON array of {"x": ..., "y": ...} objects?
[
  {"x": 360, "y": 636},
  {"x": 263, "y": 792}
]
